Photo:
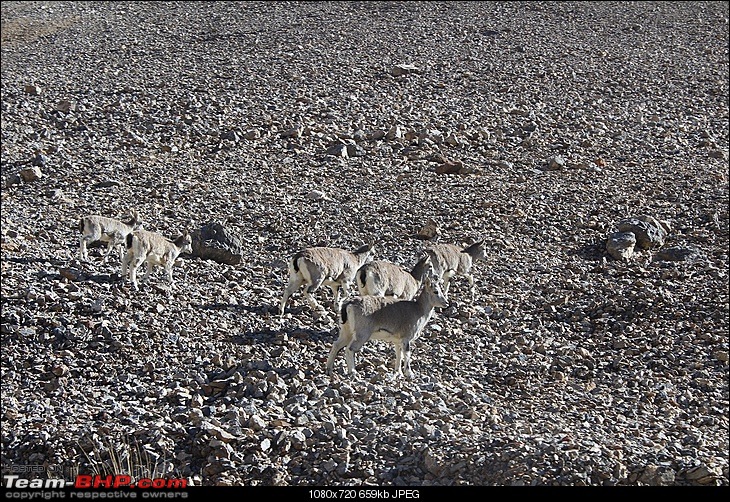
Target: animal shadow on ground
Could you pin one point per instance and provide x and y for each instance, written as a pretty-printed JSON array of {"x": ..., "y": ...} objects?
[
  {"x": 238, "y": 308},
  {"x": 590, "y": 251},
  {"x": 65, "y": 271},
  {"x": 271, "y": 335}
]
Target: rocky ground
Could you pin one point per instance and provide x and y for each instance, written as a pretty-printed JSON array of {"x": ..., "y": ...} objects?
[{"x": 537, "y": 126}]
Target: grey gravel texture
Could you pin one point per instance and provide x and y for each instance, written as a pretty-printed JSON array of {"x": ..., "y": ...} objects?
[{"x": 536, "y": 126}]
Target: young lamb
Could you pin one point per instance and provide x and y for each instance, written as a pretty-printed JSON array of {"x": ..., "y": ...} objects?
[
  {"x": 449, "y": 261},
  {"x": 385, "y": 318},
  {"x": 113, "y": 232},
  {"x": 154, "y": 249},
  {"x": 383, "y": 278},
  {"x": 315, "y": 266}
]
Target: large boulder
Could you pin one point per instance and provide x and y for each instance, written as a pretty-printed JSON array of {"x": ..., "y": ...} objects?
[
  {"x": 214, "y": 242},
  {"x": 649, "y": 232},
  {"x": 620, "y": 245}
]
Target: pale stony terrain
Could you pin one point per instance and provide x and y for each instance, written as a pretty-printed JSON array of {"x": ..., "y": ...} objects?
[{"x": 335, "y": 123}]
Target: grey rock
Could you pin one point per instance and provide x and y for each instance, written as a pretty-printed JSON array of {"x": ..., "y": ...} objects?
[
  {"x": 337, "y": 150},
  {"x": 294, "y": 132},
  {"x": 404, "y": 69},
  {"x": 355, "y": 151},
  {"x": 215, "y": 242},
  {"x": 568, "y": 368},
  {"x": 649, "y": 232},
  {"x": 718, "y": 154},
  {"x": 40, "y": 160},
  {"x": 252, "y": 134},
  {"x": 395, "y": 132},
  {"x": 32, "y": 89},
  {"x": 30, "y": 174},
  {"x": 556, "y": 163},
  {"x": 620, "y": 245},
  {"x": 11, "y": 179}
]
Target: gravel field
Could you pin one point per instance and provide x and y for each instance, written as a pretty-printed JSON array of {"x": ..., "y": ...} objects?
[{"x": 586, "y": 143}]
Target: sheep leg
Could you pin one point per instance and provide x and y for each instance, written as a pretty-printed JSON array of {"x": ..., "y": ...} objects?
[
  {"x": 308, "y": 294},
  {"x": 345, "y": 337},
  {"x": 446, "y": 278},
  {"x": 335, "y": 294},
  {"x": 116, "y": 239},
  {"x": 341, "y": 341},
  {"x": 314, "y": 278},
  {"x": 82, "y": 249},
  {"x": 340, "y": 291},
  {"x": 133, "y": 273},
  {"x": 313, "y": 303},
  {"x": 398, "y": 359},
  {"x": 358, "y": 339},
  {"x": 168, "y": 273},
  {"x": 344, "y": 290},
  {"x": 109, "y": 246},
  {"x": 126, "y": 257},
  {"x": 148, "y": 271},
  {"x": 122, "y": 253},
  {"x": 350, "y": 358},
  {"x": 95, "y": 235},
  {"x": 406, "y": 350},
  {"x": 295, "y": 282}
]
